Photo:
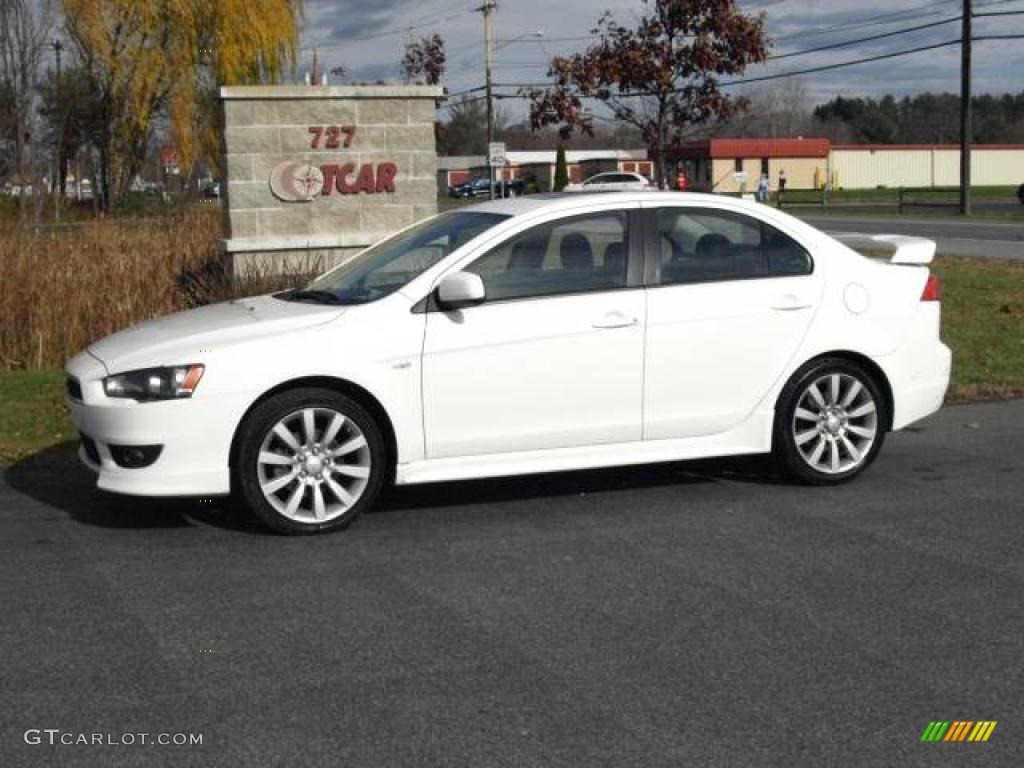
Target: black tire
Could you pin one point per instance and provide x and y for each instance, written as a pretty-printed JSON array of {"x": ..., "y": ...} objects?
[
  {"x": 788, "y": 453},
  {"x": 257, "y": 428}
]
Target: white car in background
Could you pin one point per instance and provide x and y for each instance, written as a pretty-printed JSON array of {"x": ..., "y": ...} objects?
[
  {"x": 613, "y": 182},
  {"x": 554, "y": 332}
]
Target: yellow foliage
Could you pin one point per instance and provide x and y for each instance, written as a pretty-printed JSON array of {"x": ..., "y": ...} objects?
[{"x": 147, "y": 56}]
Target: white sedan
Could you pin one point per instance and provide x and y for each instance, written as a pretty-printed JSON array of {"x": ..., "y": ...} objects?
[
  {"x": 546, "y": 333},
  {"x": 613, "y": 182}
]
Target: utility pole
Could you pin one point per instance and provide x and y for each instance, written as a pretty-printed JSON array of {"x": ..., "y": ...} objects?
[
  {"x": 58, "y": 48},
  {"x": 314, "y": 78},
  {"x": 488, "y": 9},
  {"x": 966, "y": 130}
]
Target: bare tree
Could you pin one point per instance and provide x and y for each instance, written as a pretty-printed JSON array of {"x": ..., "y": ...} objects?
[
  {"x": 25, "y": 27},
  {"x": 465, "y": 132},
  {"x": 777, "y": 109}
]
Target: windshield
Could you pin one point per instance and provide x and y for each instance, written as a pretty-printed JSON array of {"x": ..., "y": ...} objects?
[{"x": 384, "y": 268}]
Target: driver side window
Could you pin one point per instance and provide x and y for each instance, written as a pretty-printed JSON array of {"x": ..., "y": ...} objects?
[{"x": 586, "y": 253}]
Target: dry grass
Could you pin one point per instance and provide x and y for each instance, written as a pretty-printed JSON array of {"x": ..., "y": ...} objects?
[{"x": 62, "y": 290}]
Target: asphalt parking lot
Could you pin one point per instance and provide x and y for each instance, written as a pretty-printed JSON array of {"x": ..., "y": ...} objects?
[{"x": 681, "y": 615}]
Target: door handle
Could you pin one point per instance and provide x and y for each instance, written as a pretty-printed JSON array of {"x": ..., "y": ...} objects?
[
  {"x": 615, "y": 320},
  {"x": 790, "y": 302}
]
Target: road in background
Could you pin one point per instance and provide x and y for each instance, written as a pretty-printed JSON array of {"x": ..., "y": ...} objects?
[
  {"x": 954, "y": 236},
  {"x": 701, "y": 613}
]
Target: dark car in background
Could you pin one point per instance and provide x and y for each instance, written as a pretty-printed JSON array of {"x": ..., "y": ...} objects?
[{"x": 480, "y": 187}]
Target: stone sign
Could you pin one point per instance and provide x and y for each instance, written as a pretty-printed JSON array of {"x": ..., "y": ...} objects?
[{"x": 316, "y": 174}]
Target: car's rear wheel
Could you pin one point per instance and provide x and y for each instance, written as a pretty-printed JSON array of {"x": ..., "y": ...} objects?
[
  {"x": 310, "y": 460},
  {"x": 830, "y": 423}
]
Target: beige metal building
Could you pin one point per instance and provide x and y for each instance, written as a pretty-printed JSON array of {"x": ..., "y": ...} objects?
[
  {"x": 736, "y": 165},
  {"x": 870, "y": 166}
]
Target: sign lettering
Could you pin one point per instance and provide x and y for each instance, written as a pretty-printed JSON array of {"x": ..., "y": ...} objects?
[
  {"x": 300, "y": 182},
  {"x": 334, "y": 135}
]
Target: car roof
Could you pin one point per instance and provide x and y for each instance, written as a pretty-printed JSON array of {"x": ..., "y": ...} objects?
[
  {"x": 572, "y": 202},
  {"x": 554, "y": 201}
]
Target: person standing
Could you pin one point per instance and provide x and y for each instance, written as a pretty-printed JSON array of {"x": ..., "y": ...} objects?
[
  {"x": 762, "y": 188},
  {"x": 782, "y": 180}
]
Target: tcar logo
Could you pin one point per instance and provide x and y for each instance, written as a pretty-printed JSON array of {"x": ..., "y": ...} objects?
[{"x": 296, "y": 182}]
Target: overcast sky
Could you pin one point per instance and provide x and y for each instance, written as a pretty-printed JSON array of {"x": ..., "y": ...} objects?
[{"x": 367, "y": 38}]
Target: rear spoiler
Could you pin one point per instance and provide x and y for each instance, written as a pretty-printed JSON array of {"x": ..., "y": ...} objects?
[{"x": 905, "y": 250}]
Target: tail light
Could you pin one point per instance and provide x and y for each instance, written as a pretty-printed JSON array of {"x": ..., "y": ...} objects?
[{"x": 931, "y": 289}]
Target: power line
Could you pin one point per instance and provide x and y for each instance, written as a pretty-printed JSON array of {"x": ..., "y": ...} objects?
[
  {"x": 907, "y": 14},
  {"x": 818, "y": 49},
  {"x": 870, "y": 38},
  {"x": 466, "y": 91},
  {"x": 390, "y": 32},
  {"x": 460, "y": 5},
  {"x": 762, "y": 78},
  {"x": 887, "y": 18},
  {"x": 551, "y": 39}
]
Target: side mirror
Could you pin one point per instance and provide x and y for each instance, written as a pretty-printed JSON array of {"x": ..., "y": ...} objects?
[{"x": 463, "y": 289}]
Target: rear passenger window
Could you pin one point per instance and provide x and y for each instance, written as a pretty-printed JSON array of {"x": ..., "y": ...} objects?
[
  {"x": 785, "y": 255},
  {"x": 700, "y": 245},
  {"x": 586, "y": 253}
]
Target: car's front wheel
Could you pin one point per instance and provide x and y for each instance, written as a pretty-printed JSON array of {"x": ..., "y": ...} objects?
[
  {"x": 309, "y": 460},
  {"x": 830, "y": 423}
]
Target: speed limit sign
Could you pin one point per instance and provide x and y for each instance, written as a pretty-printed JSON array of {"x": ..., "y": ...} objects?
[{"x": 496, "y": 154}]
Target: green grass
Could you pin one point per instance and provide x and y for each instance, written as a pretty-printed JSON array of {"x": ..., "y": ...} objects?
[
  {"x": 33, "y": 415},
  {"x": 921, "y": 203},
  {"x": 982, "y": 320}
]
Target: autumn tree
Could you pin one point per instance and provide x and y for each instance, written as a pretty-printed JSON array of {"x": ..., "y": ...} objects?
[
  {"x": 152, "y": 61},
  {"x": 661, "y": 77},
  {"x": 424, "y": 61}
]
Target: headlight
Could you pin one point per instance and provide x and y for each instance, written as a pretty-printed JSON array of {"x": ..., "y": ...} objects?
[{"x": 155, "y": 383}]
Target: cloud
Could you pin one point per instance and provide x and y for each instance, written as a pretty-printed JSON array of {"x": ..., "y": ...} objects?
[
  {"x": 331, "y": 21},
  {"x": 341, "y": 28}
]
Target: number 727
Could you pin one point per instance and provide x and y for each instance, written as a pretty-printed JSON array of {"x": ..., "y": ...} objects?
[{"x": 334, "y": 134}]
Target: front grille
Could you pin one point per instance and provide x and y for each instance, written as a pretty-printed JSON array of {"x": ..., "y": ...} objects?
[
  {"x": 74, "y": 388},
  {"x": 89, "y": 446}
]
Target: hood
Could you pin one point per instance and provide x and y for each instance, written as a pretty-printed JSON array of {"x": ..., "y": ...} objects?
[{"x": 164, "y": 340}]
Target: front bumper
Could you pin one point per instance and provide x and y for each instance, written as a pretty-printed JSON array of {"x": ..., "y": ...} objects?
[{"x": 195, "y": 435}]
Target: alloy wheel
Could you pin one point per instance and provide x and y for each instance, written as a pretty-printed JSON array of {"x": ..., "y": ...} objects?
[
  {"x": 313, "y": 465},
  {"x": 835, "y": 423}
]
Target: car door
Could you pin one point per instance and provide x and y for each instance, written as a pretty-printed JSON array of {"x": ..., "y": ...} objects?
[
  {"x": 553, "y": 358},
  {"x": 731, "y": 298},
  {"x": 597, "y": 183}
]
